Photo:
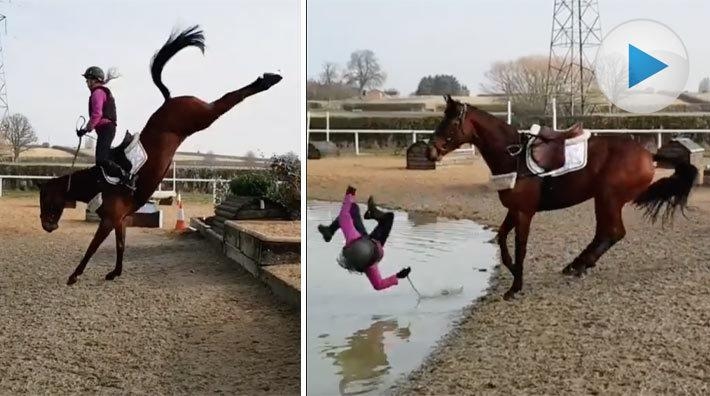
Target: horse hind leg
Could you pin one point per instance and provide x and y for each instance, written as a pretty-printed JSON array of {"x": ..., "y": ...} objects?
[
  {"x": 610, "y": 230},
  {"x": 102, "y": 232},
  {"x": 231, "y": 99},
  {"x": 120, "y": 229}
]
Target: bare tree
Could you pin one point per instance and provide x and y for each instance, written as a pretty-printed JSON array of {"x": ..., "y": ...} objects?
[
  {"x": 364, "y": 70},
  {"x": 209, "y": 157},
  {"x": 704, "y": 86},
  {"x": 523, "y": 80},
  {"x": 19, "y": 134},
  {"x": 330, "y": 74},
  {"x": 251, "y": 159},
  {"x": 315, "y": 90},
  {"x": 612, "y": 79}
]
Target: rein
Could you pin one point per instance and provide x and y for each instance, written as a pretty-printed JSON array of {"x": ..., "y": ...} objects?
[
  {"x": 80, "y": 122},
  {"x": 514, "y": 150}
]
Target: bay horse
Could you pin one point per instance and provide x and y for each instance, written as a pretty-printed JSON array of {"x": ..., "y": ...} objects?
[
  {"x": 174, "y": 121},
  {"x": 618, "y": 170}
]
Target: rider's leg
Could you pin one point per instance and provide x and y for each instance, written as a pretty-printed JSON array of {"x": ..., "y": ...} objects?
[{"x": 105, "y": 135}]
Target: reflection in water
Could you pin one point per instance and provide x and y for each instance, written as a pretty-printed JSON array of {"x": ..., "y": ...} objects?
[{"x": 363, "y": 363}]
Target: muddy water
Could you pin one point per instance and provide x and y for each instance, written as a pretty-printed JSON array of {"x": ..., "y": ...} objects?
[{"x": 361, "y": 341}]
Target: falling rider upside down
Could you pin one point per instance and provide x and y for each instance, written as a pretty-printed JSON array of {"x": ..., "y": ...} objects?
[{"x": 362, "y": 251}]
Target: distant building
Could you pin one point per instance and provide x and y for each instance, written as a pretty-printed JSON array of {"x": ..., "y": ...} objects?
[{"x": 374, "y": 94}]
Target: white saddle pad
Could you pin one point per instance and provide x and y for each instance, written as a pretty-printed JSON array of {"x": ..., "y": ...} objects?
[
  {"x": 575, "y": 156},
  {"x": 136, "y": 155}
]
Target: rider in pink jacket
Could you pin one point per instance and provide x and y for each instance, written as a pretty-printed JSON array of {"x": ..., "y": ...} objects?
[{"x": 350, "y": 223}]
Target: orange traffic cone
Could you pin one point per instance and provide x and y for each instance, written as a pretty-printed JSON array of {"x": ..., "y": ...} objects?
[{"x": 180, "y": 224}]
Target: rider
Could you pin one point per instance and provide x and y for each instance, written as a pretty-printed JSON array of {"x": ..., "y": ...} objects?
[
  {"x": 362, "y": 252},
  {"x": 102, "y": 113}
]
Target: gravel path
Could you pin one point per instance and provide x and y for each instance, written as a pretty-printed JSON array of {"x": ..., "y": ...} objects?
[
  {"x": 181, "y": 319},
  {"x": 638, "y": 323}
]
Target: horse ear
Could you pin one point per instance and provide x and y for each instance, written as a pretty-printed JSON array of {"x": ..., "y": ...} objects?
[{"x": 447, "y": 98}]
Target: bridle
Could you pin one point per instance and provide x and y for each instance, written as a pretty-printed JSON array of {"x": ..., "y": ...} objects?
[{"x": 514, "y": 150}]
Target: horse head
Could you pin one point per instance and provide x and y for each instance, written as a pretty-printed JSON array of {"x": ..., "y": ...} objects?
[
  {"x": 52, "y": 198},
  {"x": 454, "y": 130}
]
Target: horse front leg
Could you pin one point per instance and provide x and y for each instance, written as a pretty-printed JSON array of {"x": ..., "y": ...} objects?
[
  {"x": 522, "y": 229},
  {"x": 502, "y": 238},
  {"x": 101, "y": 233},
  {"x": 120, "y": 229}
]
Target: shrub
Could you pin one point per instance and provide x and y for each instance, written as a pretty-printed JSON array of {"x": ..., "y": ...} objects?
[
  {"x": 251, "y": 184},
  {"x": 285, "y": 171}
]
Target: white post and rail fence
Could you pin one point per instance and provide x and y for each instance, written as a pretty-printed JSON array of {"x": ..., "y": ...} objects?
[
  {"x": 356, "y": 132},
  {"x": 174, "y": 180}
]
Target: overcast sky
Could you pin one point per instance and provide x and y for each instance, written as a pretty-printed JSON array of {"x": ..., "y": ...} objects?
[
  {"x": 414, "y": 38},
  {"x": 49, "y": 44}
]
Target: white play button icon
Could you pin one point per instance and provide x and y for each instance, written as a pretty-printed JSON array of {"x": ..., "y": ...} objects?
[{"x": 641, "y": 66}]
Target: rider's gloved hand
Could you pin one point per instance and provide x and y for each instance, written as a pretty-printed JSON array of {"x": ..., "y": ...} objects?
[{"x": 81, "y": 132}]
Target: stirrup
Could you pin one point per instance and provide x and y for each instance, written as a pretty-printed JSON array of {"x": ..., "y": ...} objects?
[{"x": 129, "y": 182}]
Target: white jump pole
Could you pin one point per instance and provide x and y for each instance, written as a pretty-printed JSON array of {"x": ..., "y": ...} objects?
[
  {"x": 510, "y": 113},
  {"x": 327, "y": 126},
  {"x": 554, "y": 114}
]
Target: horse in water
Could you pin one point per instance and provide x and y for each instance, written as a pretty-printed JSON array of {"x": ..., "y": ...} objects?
[
  {"x": 618, "y": 170},
  {"x": 175, "y": 120}
]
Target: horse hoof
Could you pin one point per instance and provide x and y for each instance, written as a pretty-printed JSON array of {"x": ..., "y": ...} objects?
[
  {"x": 509, "y": 295},
  {"x": 268, "y": 80},
  {"x": 71, "y": 280},
  {"x": 568, "y": 270},
  {"x": 111, "y": 275}
]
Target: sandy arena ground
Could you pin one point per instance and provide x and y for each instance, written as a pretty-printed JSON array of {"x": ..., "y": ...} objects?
[
  {"x": 181, "y": 319},
  {"x": 637, "y": 324}
]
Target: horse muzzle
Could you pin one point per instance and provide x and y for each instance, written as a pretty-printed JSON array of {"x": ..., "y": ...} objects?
[{"x": 49, "y": 227}]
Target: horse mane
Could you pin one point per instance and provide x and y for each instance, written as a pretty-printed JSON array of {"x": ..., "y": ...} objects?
[
  {"x": 479, "y": 112},
  {"x": 192, "y": 36}
]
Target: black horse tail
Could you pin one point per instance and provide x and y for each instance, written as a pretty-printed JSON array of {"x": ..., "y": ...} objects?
[
  {"x": 192, "y": 36},
  {"x": 669, "y": 193}
]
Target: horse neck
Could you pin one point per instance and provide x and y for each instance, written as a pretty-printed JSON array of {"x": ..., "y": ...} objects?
[
  {"x": 492, "y": 139},
  {"x": 83, "y": 185}
]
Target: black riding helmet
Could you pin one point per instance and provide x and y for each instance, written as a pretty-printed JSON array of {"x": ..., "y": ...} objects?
[
  {"x": 360, "y": 254},
  {"x": 94, "y": 73}
]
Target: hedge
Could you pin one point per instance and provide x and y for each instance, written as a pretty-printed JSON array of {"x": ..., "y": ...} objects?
[
  {"x": 425, "y": 123},
  {"x": 384, "y": 106},
  {"x": 625, "y": 121},
  {"x": 663, "y": 121}
]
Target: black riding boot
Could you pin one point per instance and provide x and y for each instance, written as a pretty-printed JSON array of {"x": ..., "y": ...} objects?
[
  {"x": 113, "y": 170},
  {"x": 372, "y": 211}
]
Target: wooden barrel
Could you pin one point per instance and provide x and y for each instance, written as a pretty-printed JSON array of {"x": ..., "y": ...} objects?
[
  {"x": 317, "y": 150},
  {"x": 313, "y": 152},
  {"x": 417, "y": 157}
]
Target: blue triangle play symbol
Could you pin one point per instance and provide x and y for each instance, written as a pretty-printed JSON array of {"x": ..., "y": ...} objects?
[{"x": 642, "y": 65}]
